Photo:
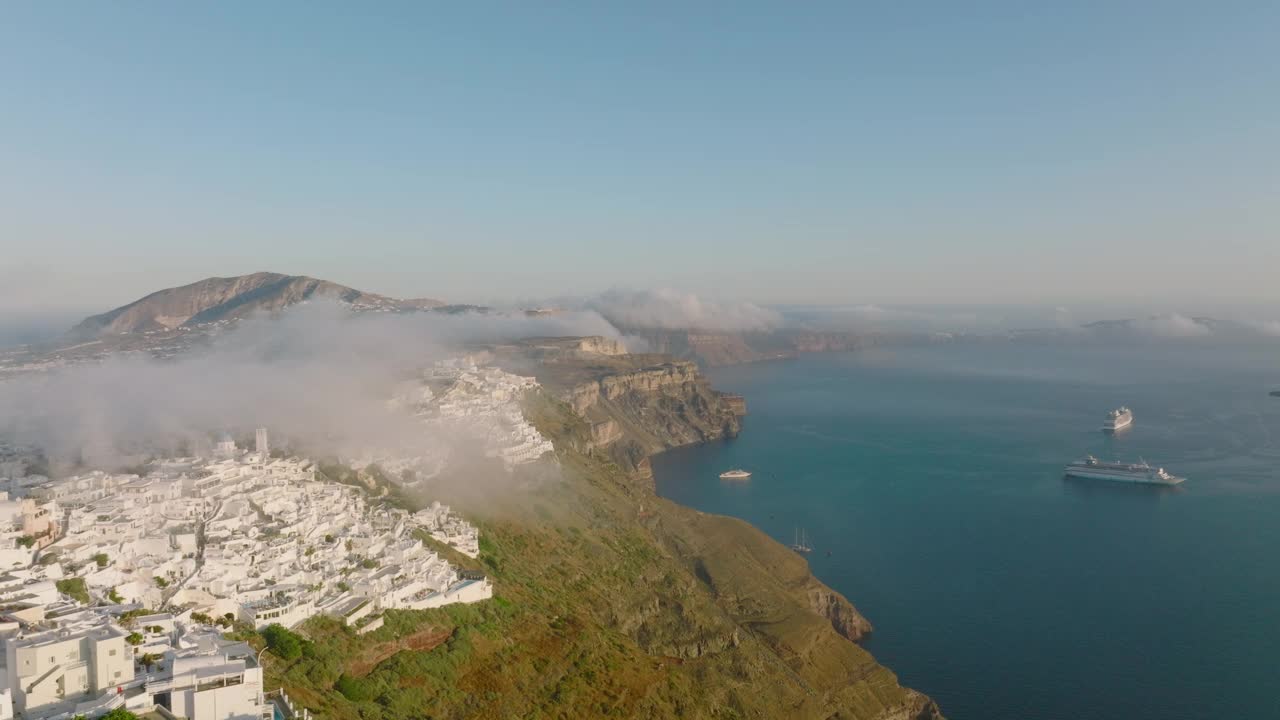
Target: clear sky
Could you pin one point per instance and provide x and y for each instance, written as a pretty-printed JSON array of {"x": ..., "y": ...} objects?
[{"x": 785, "y": 152}]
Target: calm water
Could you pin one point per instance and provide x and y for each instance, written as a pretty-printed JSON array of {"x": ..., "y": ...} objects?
[{"x": 934, "y": 478}]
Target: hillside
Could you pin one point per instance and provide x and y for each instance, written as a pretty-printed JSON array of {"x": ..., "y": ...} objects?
[
  {"x": 218, "y": 299},
  {"x": 610, "y": 601}
]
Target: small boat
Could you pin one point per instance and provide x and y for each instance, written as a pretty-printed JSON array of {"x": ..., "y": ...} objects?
[
  {"x": 801, "y": 544},
  {"x": 735, "y": 474}
]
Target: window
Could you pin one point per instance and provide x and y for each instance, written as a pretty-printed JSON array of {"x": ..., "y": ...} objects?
[
  {"x": 117, "y": 674},
  {"x": 112, "y": 652}
]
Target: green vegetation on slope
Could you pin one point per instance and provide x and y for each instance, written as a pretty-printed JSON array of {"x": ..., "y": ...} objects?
[{"x": 605, "y": 609}]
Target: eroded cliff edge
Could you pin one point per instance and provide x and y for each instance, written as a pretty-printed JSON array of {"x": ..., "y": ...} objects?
[
  {"x": 766, "y": 603},
  {"x": 609, "y": 601}
]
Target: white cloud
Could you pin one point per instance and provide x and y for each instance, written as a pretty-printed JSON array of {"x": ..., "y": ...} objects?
[
  {"x": 1171, "y": 325},
  {"x": 317, "y": 375},
  {"x": 669, "y": 309}
]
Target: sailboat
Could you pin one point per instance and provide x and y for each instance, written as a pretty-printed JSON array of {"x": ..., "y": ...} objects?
[{"x": 801, "y": 544}]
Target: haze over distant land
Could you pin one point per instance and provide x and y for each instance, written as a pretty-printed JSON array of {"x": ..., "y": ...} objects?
[
  {"x": 984, "y": 153},
  {"x": 644, "y": 319}
]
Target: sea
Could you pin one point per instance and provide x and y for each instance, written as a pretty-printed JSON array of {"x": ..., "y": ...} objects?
[{"x": 929, "y": 482}]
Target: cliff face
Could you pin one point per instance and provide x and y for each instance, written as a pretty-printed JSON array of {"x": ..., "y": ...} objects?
[
  {"x": 773, "y": 605},
  {"x": 611, "y": 601},
  {"x": 556, "y": 348},
  {"x": 650, "y": 407},
  {"x": 693, "y": 615}
]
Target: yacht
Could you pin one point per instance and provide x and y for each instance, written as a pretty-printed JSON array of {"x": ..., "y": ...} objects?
[
  {"x": 735, "y": 475},
  {"x": 801, "y": 545}
]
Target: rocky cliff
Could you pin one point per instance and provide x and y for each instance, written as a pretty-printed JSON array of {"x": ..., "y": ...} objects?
[
  {"x": 611, "y": 601},
  {"x": 643, "y": 403},
  {"x": 552, "y": 348},
  {"x": 763, "y": 589}
]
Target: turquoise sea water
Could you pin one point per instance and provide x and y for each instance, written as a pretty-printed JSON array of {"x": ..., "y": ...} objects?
[{"x": 933, "y": 476}]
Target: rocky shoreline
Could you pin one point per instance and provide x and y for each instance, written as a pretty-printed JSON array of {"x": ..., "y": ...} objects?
[{"x": 641, "y": 405}]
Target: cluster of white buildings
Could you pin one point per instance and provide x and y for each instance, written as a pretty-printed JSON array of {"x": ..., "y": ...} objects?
[
  {"x": 481, "y": 404},
  {"x": 85, "y": 662},
  {"x": 241, "y": 536}
]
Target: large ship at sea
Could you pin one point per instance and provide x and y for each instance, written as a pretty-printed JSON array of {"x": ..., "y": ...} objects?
[
  {"x": 1091, "y": 468},
  {"x": 1117, "y": 420}
]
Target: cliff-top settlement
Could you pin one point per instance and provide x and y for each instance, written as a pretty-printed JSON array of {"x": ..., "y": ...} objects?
[
  {"x": 163, "y": 587},
  {"x": 243, "y": 537}
]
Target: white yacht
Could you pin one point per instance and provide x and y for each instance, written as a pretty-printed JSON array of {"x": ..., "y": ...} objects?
[{"x": 801, "y": 545}]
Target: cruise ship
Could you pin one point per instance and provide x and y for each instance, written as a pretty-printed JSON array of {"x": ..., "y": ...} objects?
[
  {"x": 1117, "y": 420},
  {"x": 1091, "y": 468},
  {"x": 735, "y": 475}
]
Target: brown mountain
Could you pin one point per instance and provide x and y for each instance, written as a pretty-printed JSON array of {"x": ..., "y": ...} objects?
[{"x": 218, "y": 298}]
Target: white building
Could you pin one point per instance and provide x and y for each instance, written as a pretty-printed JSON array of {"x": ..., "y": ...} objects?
[
  {"x": 209, "y": 678},
  {"x": 26, "y": 526},
  {"x": 65, "y": 670}
]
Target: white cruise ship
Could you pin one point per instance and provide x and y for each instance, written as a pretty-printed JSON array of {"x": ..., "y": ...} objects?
[
  {"x": 1091, "y": 468},
  {"x": 1117, "y": 420}
]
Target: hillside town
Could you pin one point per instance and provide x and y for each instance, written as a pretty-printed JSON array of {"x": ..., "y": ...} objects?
[
  {"x": 467, "y": 402},
  {"x": 241, "y": 537}
]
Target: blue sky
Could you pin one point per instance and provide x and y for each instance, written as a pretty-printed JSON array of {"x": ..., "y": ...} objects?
[{"x": 786, "y": 153}]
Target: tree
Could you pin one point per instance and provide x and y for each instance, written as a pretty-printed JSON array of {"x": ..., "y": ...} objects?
[
  {"x": 119, "y": 714},
  {"x": 161, "y": 583},
  {"x": 26, "y": 541},
  {"x": 285, "y": 643},
  {"x": 352, "y": 689},
  {"x": 201, "y": 618},
  {"x": 114, "y": 596},
  {"x": 134, "y": 638},
  {"x": 130, "y": 618},
  {"x": 73, "y": 588},
  {"x": 101, "y": 559}
]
